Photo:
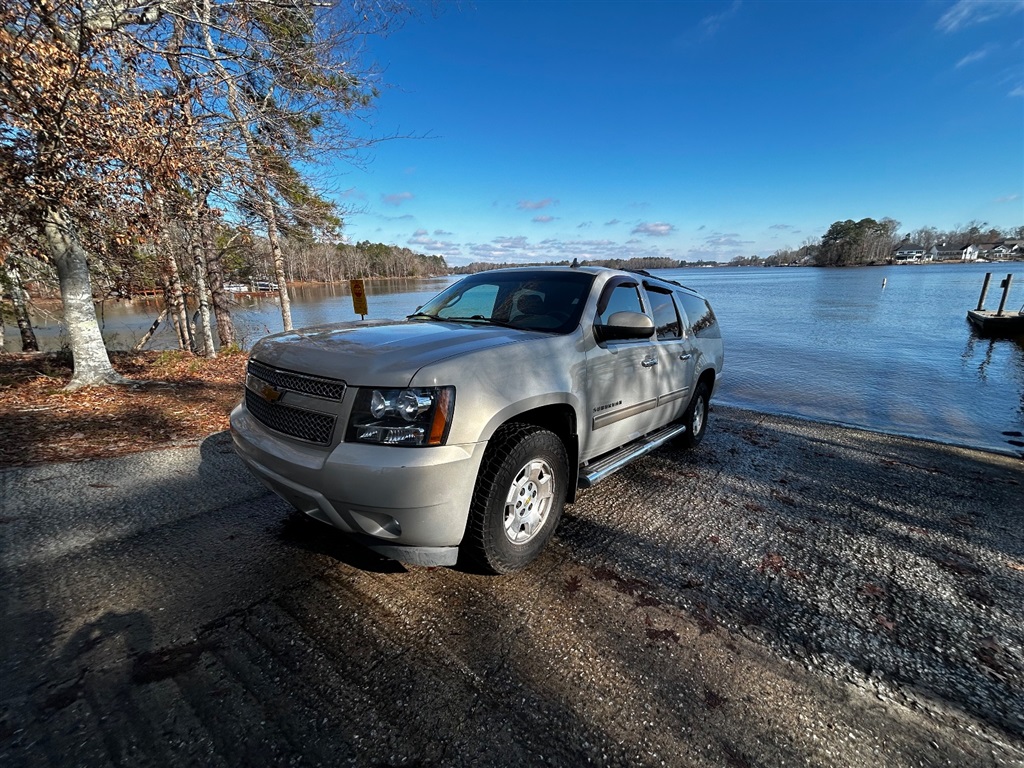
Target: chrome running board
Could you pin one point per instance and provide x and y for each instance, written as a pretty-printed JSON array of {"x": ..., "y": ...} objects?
[{"x": 598, "y": 470}]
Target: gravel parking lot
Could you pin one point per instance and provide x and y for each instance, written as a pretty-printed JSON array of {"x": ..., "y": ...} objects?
[{"x": 790, "y": 594}]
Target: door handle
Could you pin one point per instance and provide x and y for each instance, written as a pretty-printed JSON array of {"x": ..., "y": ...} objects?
[
  {"x": 685, "y": 356},
  {"x": 649, "y": 362}
]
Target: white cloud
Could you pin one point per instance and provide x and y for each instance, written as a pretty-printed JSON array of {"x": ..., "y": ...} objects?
[
  {"x": 612, "y": 223},
  {"x": 968, "y": 13},
  {"x": 970, "y": 58},
  {"x": 535, "y": 205},
  {"x": 1006, "y": 199},
  {"x": 441, "y": 233},
  {"x": 709, "y": 25},
  {"x": 422, "y": 241},
  {"x": 397, "y": 198},
  {"x": 1016, "y": 92},
  {"x": 543, "y": 219},
  {"x": 653, "y": 229}
]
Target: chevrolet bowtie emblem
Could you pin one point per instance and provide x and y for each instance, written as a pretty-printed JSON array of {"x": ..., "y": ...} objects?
[{"x": 269, "y": 393}]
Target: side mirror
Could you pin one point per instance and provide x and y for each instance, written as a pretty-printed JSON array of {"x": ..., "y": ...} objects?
[{"x": 625, "y": 325}]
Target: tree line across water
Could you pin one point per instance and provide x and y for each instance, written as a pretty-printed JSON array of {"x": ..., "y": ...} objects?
[{"x": 853, "y": 243}]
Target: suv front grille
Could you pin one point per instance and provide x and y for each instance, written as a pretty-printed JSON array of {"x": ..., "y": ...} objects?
[
  {"x": 315, "y": 386},
  {"x": 297, "y": 422}
]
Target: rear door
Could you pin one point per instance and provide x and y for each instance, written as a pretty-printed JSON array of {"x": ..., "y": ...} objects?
[{"x": 675, "y": 355}]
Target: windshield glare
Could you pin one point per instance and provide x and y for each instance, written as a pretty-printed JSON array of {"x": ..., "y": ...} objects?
[{"x": 532, "y": 300}]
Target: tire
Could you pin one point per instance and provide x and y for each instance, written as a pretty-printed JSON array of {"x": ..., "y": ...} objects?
[
  {"x": 696, "y": 418},
  {"x": 519, "y": 496}
]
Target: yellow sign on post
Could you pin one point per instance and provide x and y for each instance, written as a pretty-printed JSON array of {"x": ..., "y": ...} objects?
[{"x": 358, "y": 297}]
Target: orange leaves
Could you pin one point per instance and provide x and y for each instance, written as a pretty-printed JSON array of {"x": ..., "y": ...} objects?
[{"x": 180, "y": 398}]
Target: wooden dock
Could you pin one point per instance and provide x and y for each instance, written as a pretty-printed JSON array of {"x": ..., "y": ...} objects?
[{"x": 1001, "y": 322}]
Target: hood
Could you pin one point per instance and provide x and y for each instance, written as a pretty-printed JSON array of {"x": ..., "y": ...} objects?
[{"x": 378, "y": 353}]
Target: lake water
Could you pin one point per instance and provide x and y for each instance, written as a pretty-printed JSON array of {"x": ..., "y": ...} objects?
[{"x": 826, "y": 344}]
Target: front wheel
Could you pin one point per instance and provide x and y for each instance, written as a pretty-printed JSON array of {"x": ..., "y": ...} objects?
[
  {"x": 696, "y": 417},
  {"x": 519, "y": 496}
]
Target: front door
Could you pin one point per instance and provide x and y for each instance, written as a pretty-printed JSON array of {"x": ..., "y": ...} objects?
[{"x": 622, "y": 382}]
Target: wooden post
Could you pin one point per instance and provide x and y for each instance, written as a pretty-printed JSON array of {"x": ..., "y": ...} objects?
[
  {"x": 984, "y": 291},
  {"x": 1006, "y": 292}
]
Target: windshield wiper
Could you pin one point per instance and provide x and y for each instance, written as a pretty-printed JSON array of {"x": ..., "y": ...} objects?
[
  {"x": 481, "y": 319},
  {"x": 427, "y": 315}
]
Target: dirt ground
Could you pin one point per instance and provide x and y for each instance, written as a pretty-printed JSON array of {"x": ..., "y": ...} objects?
[{"x": 175, "y": 398}]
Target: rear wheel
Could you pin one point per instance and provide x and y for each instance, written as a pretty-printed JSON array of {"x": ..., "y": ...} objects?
[
  {"x": 519, "y": 496},
  {"x": 696, "y": 417}
]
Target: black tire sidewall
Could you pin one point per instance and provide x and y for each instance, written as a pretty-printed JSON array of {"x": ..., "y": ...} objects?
[
  {"x": 691, "y": 439},
  {"x": 511, "y": 449}
]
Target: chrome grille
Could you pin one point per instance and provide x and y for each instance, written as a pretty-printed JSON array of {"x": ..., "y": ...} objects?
[
  {"x": 328, "y": 389},
  {"x": 297, "y": 422}
]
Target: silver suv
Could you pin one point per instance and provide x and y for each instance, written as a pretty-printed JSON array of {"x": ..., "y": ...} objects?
[{"x": 465, "y": 428}]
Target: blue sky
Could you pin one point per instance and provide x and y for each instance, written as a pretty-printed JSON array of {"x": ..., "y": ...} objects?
[{"x": 694, "y": 130}]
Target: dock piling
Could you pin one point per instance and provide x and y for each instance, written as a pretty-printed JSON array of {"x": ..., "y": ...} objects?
[
  {"x": 984, "y": 291},
  {"x": 1005, "y": 285}
]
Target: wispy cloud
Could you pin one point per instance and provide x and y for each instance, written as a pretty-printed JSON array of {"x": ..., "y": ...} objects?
[
  {"x": 543, "y": 219},
  {"x": 653, "y": 229},
  {"x": 612, "y": 223},
  {"x": 710, "y": 25},
  {"x": 783, "y": 227},
  {"x": 970, "y": 58},
  {"x": 352, "y": 194},
  {"x": 585, "y": 225},
  {"x": 1006, "y": 199},
  {"x": 1016, "y": 92},
  {"x": 535, "y": 205},
  {"x": 421, "y": 240},
  {"x": 441, "y": 233},
  {"x": 397, "y": 198},
  {"x": 968, "y": 13},
  {"x": 519, "y": 249}
]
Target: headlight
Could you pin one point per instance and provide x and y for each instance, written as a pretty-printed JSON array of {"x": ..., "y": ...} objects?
[{"x": 414, "y": 416}]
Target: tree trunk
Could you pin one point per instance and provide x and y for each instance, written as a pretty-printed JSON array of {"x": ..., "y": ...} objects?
[
  {"x": 91, "y": 363},
  {"x": 209, "y": 350},
  {"x": 18, "y": 297},
  {"x": 152, "y": 329},
  {"x": 221, "y": 303},
  {"x": 270, "y": 215}
]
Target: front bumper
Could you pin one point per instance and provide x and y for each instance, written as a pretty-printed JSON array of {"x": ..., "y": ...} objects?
[{"x": 409, "y": 504}]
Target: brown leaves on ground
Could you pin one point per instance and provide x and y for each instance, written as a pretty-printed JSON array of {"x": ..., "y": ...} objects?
[{"x": 174, "y": 398}]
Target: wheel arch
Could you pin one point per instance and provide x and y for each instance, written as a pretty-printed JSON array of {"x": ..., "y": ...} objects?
[{"x": 561, "y": 420}]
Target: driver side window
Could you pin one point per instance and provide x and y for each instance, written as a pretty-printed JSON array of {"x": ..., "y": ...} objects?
[{"x": 624, "y": 298}]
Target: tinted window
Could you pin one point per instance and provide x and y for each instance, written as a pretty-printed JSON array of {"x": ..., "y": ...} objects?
[
  {"x": 699, "y": 315},
  {"x": 624, "y": 298},
  {"x": 666, "y": 319},
  {"x": 477, "y": 300},
  {"x": 541, "y": 300}
]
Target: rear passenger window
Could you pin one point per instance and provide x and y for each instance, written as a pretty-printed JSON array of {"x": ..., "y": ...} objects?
[
  {"x": 699, "y": 315},
  {"x": 666, "y": 319}
]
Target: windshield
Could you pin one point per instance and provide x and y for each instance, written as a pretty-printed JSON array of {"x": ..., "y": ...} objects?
[{"x": 534, "y": 300}]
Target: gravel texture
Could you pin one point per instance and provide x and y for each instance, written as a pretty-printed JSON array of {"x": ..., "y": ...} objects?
[{"x": 791, "y": 593}]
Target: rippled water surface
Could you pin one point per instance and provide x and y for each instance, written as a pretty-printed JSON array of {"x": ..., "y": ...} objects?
[
  {"x": 827, "y": 344},
  {"x": 834, "y": 344}
]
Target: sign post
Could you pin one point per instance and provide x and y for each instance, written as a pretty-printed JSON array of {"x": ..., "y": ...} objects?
[{"x": 358, "y": 298}]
